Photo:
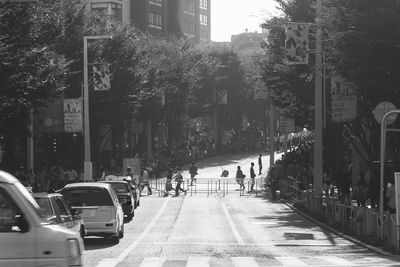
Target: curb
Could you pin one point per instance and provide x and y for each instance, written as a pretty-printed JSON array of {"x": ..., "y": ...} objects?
[{"x": 329, "y": 228}]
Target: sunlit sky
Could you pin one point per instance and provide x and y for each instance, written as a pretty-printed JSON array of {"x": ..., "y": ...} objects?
[{"x": 229, "y": 17}]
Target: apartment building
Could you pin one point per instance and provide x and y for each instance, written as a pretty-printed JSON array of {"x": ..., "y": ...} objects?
[{"x": 189, "y": 19}]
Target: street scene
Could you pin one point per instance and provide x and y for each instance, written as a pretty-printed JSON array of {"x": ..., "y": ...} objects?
[{"x": 199, "y": 133}]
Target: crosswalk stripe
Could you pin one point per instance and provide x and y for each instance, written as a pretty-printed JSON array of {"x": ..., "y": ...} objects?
[
  {"x": 153, "y": 262},
  {"x": 244, "y": 261},
  {"x": 335, "y": 260},
  {"x": 290, "y": 261},
  {"x": 195, "y": 261}
]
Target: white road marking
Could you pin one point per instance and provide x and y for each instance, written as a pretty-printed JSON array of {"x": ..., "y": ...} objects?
[
  {"x": 290, "y": 261},
  {"x": 232, "y": 225},
  {"x": 335, "y": 260},
  {"x": 153, "y": 262},
  {"x": 244, "y": 261},
  {"x": 265, "y": 223},
  {"x": 121, "y": 257},
  {"x": 195, "y": 261}
]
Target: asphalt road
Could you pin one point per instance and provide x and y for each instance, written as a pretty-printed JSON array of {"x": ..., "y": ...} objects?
[{"x": 226, "y": 230}]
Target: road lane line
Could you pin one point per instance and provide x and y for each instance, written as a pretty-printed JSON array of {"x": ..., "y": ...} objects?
[
  {"x": 335, "y": 260},
  {"x": 121, "y": 257},
  {"x": 232, "y": 225},
  {"x": 197, "y": 261},
  {"x": 244, "y": 261},
  {"x": 153, "y": 262},
  {"x": 290, "y": 261}
]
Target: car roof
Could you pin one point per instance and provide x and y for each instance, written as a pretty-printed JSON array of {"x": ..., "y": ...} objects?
[
  {"x": 116, "y": 181},
  {"x": 90, "y": 184},
  {"x": 44, "y": 194},
  {"x": 6, "y": 177}
]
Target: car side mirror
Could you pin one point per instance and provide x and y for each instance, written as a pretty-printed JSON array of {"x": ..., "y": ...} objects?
[{"x": 22, "y": 223}]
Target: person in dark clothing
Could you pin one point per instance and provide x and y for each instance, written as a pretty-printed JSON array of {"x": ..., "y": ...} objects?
[
  {"x": 193, "y": 172},
  {"x": 179, "y": 180},
  {"x": 168, "y": 182},
  {"x": 259, "y": 165},
  {"x": 240, "y": 177},
  {"x": 252, "y": 176}
]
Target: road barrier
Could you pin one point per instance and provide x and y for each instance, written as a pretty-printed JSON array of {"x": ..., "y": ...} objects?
[
  {"x": 362, "y": 222},
  {"x": 208, "y": 186}
]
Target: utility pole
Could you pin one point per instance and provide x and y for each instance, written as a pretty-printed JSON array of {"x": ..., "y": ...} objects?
[{"x": 318, "y": 144}]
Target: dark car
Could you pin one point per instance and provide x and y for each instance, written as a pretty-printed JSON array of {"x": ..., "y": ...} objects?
[
  {"x": 125, "y": 196},
  {"x": 58, "y": 211},
  {"x": 134, "y": 186}
]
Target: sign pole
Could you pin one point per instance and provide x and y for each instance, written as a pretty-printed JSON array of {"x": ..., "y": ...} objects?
[{"x": 318, "y": 144}]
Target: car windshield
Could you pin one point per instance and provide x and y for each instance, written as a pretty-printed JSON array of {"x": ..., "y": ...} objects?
[
  {"x": 89, "y": 196},
  {"x": 120, "y": 187},
  {"x": 45, "y": 205}
]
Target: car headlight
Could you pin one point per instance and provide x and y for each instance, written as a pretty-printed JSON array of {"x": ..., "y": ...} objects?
[{"x": 74, "y": 257}]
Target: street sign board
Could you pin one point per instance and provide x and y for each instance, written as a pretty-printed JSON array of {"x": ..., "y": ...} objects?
[
  {"x": 381, "y": 109},
  {"x": 343, "y": 100},
  {"x": 73, "y": 115}
]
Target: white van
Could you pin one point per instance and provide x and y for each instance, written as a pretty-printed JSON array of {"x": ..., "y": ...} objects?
[{"x": 25, "y": 238}]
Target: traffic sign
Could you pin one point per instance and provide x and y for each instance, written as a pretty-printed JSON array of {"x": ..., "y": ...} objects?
[{"x": 381, "y": 109}]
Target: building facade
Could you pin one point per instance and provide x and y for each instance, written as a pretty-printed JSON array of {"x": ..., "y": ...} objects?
[{"x": 190, "y": 19}]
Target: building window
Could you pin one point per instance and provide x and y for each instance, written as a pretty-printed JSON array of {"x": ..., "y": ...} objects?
[
  {"x": 189, "y": 28},
  {"x": 203, "y": 35},
  {"x": 100, "y": 9},
  {"x": 203, "y": 4},
  {"x": 203, "y": 19},
  {"x": 112, "y": 11},
  {"x": 155, "y": 20},
  {"x": 190, "y": 6},
  {"x": 116, "y": 11},
  {"x": 156, "y": 2}
]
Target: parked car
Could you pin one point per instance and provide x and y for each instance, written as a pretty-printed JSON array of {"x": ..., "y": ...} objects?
[
  {"x": 126, "y": 198},
  {"x": 135, "y": 188},
  {"x": 26, "y": 239},
  {"x": 58, "y": 211},
  {"x": 101, "y": 209}
]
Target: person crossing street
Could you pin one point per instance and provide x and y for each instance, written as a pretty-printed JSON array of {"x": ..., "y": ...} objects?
[
  {"x": 179, "y": 180},
  {"x": 193, "y": 172},
  {"x": 252, "y": 176}
]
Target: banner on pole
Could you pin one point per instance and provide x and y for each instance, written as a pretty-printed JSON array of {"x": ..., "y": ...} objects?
[
  {"x": 343, "y": 100},
  {"x": 296, "y": 44},
  {"x": 73, "y": 115},
  {"x": 101, "y": 76}
]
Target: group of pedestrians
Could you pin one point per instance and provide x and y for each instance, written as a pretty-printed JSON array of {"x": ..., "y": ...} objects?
[{"x": 240, "y": 176}]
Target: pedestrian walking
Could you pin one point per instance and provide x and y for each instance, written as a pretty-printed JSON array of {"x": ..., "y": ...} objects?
[
  {"x": 168, "y": 182},
  {"x": 360, "y": 190},
  {"x": 179, "y": 180},
  {"x": 391, "y": 195},
  {"x": 259, "y": 165},
  {"x": 193, "y": 172},
  {"x": 252, "y": 176},
  {"x": 240, "y": 178},
  {"x": 145, "y": 182}
]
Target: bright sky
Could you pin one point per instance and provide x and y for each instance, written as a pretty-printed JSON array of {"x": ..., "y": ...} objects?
[{"x": 229, "y": 17}]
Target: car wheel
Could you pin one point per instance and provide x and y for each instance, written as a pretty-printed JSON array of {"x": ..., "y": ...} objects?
[
  {"x": 114, "y": 239},
  {"x": 121, "y": 232}
]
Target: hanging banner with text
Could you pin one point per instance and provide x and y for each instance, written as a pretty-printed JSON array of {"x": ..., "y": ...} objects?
[
  {"x": 343, "y": 100},
  {"x": 296, "y": 44},
  {"x": 73, "y": 115}
]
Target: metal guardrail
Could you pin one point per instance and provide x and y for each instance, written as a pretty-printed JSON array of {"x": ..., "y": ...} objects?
[
  {"x": 209, "y": 186},
  {"x": 362, "y": 222}
]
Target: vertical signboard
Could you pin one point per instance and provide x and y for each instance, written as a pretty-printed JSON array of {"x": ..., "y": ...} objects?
[
  {"x": 343, "y": 100},
  {"x": 296, "y": 44},
  {"x": 101, "y": 76},
  {"x": 134, "y": 163},
  {"x": 73, "y": 115}
]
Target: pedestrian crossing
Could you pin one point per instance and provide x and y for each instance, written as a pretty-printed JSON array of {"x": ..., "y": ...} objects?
[{"x": 328, "y": 261}]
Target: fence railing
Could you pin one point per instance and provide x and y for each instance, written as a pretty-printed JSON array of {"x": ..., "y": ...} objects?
[
  {"x": 361, "y": 222},
  {"x": 209, "y": 186}
]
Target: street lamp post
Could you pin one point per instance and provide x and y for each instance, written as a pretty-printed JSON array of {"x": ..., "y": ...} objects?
[{"x": 86, "y": 129}]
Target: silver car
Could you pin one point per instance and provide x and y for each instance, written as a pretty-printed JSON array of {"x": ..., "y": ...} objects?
[{"x": 101, "y": 210}]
